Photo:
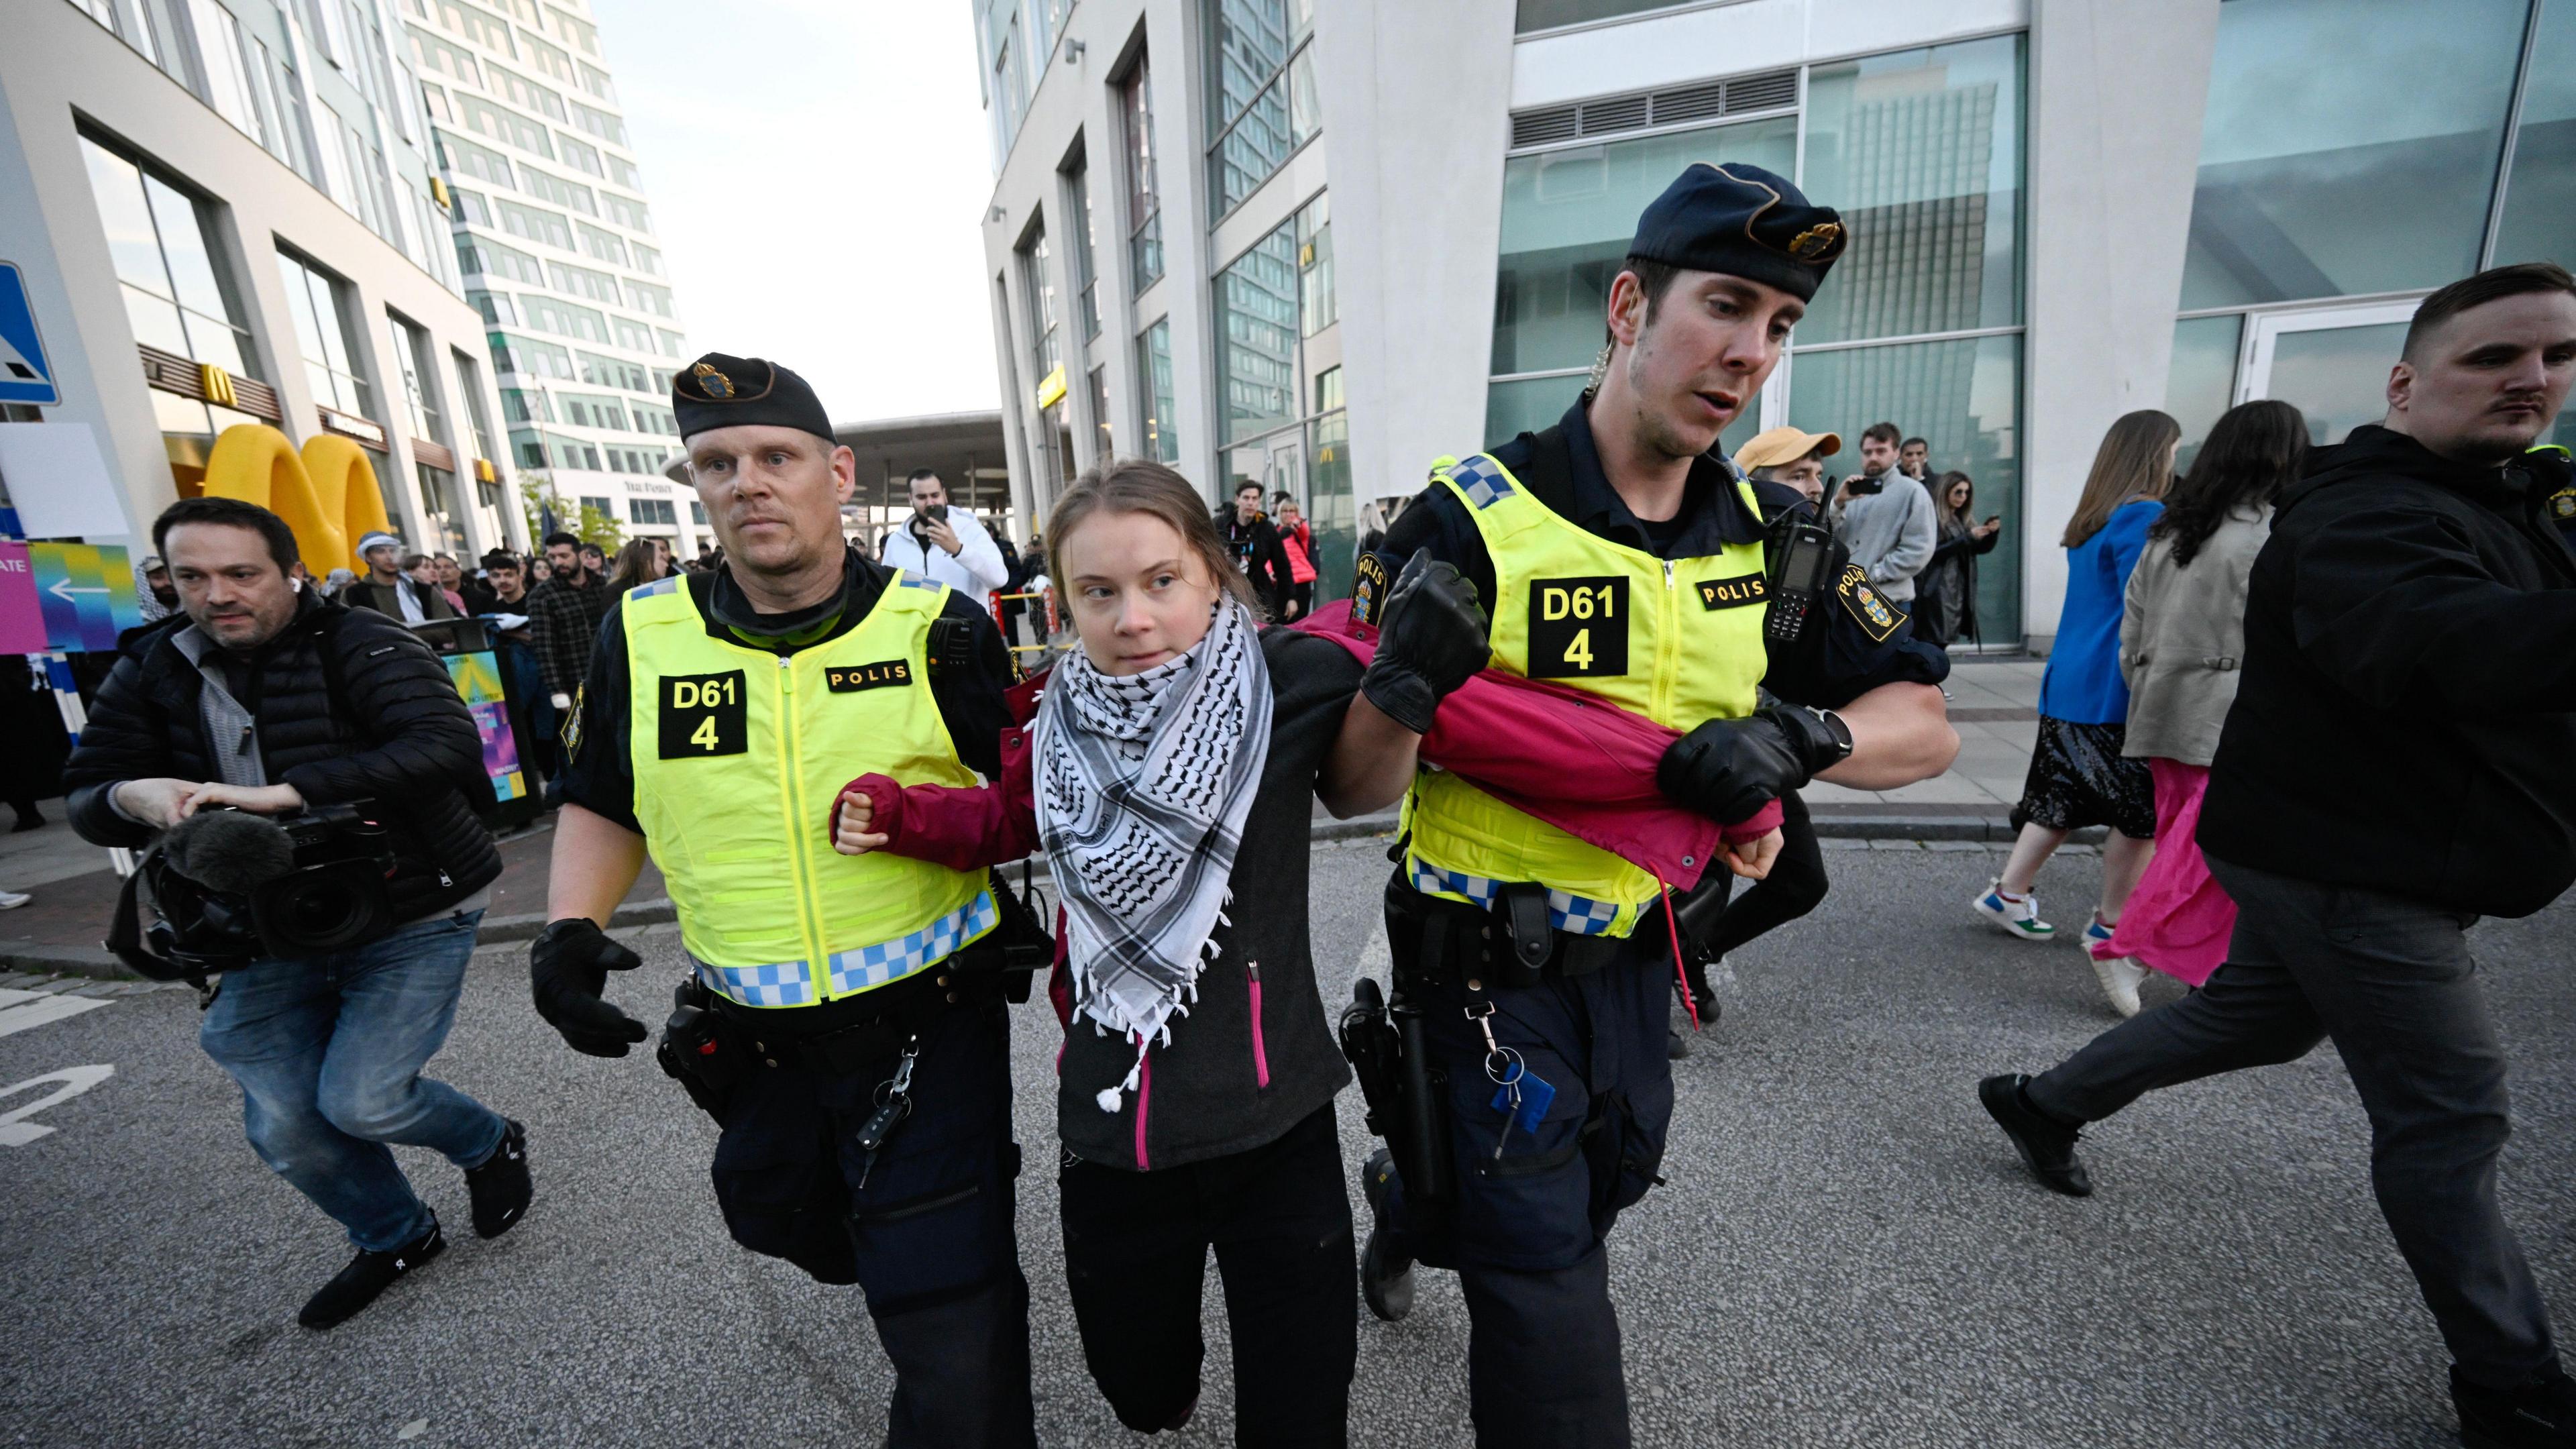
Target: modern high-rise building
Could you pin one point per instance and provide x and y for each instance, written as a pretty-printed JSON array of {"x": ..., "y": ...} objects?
[
  {"x": 557, "y": 246},
  {"x": 224, "y": 212},
  {"x": 1318, "y": 245}
]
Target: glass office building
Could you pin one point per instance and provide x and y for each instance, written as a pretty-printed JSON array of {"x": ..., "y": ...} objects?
[
  {"x": 2025, "y": 263},
  {"x": 554, "y": 236}
]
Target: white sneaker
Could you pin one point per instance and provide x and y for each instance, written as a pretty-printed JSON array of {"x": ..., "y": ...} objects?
[
  {"x": 2119, "y": 980},
  {"x": 12, "y": 900},
  {"x": 2019, "y": 916}
]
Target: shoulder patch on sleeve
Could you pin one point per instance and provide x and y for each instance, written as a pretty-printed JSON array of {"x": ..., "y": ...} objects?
[
  {"x": 1877, "y": 617},
  {"x": 571, "y": 733},
  {"x": 1368, "y": 589},
  {"x": 2562, "y": 505}
]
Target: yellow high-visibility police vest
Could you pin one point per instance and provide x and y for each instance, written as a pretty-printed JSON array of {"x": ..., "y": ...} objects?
[
  {"x": 1676, "y": 640},
  {"x": 738, "y": 754}
]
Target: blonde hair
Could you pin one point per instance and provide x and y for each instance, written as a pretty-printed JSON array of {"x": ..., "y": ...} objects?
[
  {"x": 1141, "y": 485},
  {"x": 2135, "y": 461}
]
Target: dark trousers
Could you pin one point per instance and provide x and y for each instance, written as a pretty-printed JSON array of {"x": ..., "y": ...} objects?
[
  {"x": 1525, "y": 1235},
  {"x": 1796, "y": 885},
  {"x": 1279, "y": 1219},
  {"x": 2390, "y": 980},
  {"x": 925, "y": 1228}
]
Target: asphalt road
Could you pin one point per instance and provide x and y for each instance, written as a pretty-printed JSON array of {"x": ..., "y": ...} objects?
[{"x": 1847, "y": 1254}]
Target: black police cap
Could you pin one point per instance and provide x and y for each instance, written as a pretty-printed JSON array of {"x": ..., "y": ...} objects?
[
  {"x": 718, "y": 391},
  {"x": 1743, "y": 221}
]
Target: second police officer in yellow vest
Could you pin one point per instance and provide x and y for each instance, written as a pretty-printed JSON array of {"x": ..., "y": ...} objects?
[
  {"x": 1616, "y": 554},
  {"x": 844, "y": 1019}
]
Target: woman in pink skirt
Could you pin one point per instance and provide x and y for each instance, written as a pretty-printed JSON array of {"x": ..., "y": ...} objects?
[{"x": 2181, "y": 637}]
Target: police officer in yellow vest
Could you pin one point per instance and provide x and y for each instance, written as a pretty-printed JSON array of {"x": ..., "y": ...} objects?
[
  {"x": 842, "y": 1016},
  {"x": 1616, "y": 554}
]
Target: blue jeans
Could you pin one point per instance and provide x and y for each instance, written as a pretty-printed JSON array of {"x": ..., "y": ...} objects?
[{"x": 328, "y": 1052}]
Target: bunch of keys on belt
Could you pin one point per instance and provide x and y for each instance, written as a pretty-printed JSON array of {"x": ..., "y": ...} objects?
[
  {"x": 894, "y": 1103},
  {"x": 1521, "y": 1095}
]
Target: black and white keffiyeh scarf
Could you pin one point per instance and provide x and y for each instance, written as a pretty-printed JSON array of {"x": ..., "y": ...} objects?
[{"x": 1144, "y": 782}]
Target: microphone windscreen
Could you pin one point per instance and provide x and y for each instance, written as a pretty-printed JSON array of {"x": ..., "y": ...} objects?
[{"x": 229, "y": 850}]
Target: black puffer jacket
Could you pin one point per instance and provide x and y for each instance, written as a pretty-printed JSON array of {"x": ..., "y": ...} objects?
[
  {"x": 411, "y": 747},
  {"x": 2407, "y": 717}
]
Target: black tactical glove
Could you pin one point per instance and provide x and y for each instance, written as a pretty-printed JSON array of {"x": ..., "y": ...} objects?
[
  {"x": 1432, "y": 635},
  {"x": 1727, "y": 769},
  {"x": 568, "y": 967}
]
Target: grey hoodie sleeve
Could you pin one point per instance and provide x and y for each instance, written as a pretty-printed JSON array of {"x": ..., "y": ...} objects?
[{"x": 1916, "y": 536}]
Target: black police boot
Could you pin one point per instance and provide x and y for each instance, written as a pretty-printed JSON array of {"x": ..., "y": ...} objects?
[
  {"x": 367, "y": 1275},
  {"x": 1386, "y": 1276},
  {"x": 2538, "y": 1415},
  {"x": 499, "y": 1184},
  {"x": 2047, "y": 1145}
]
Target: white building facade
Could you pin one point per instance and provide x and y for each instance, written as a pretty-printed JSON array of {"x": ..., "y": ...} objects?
[
  {"x": 556, "y": 243},
  {"x": 225, "y": 211},
  {"x": 1318, "y": 243}
]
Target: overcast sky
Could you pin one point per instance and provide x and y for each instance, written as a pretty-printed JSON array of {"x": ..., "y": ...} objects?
[{"x": 817, "y": 170}]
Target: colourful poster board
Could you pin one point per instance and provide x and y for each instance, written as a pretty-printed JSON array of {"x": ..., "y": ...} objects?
[
  {"x": 85, "y": 593},
  {"x": 478, "y": 683},
  {"x": 22, "y": 622}
]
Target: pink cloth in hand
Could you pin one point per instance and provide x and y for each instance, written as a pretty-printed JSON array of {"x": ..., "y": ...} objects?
[{"x": 2179, "y": 919}]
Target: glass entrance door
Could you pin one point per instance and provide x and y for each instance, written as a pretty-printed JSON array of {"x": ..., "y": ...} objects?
[{"x": 2330, "y": 363}]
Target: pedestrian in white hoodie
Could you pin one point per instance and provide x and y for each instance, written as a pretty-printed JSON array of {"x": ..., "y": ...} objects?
[{"x": 943, "y": 543}]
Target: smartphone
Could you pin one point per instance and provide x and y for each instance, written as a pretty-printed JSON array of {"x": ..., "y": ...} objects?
[{"x": 1862, "y": 485}]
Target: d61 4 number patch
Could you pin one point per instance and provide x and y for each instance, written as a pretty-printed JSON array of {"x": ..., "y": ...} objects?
[
  {"x": 703, "y": 715},
  {"x": 1578, "y": 627}
]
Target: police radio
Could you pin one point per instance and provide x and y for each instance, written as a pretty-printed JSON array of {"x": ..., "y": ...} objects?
[{"x": 1802, "y": 565}]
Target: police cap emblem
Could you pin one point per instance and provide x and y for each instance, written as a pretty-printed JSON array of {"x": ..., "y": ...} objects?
[{"x": 713, "y": 383}]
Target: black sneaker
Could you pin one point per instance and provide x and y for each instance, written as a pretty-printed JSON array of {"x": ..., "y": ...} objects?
[
  {"x": 1677, "y": 1043},
  {"x": 2539, "y": 1415},
  {"x": 1386, "y": 1276},
  {"x": 2047, "y": 1145},
  {"x": 499, "y": 1184},
  {"x": 367, "y": 1275}
]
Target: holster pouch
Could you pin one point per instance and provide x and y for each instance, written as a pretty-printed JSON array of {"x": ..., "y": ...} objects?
[
  {"x": 1697, "y": 911},
  {"x": 1027, "y": 943},
  {"x": 694, "y": 1050},
  {"x": 1404, "y": 1094}
]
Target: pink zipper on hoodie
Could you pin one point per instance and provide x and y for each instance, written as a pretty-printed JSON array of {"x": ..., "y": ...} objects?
[
  {"x": 1260, "y": 1053},
  {"x": 1144, "y": 1094}
]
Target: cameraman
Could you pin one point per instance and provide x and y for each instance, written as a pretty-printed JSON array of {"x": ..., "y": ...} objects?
[
  {"x": 343, "y": 705},
  {"x": 944, "y": 544}
]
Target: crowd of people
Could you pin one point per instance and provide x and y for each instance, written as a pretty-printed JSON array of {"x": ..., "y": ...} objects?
[{"x": 826, "y": 747}]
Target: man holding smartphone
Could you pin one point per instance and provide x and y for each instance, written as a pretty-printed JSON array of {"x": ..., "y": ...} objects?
[{"x": 943, "y": 544}]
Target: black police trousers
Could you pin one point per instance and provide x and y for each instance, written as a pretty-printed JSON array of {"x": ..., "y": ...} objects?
[
  {"x": 1525, "y": 1235},
  {"x": 926, "y": 1229},
  {"x": 2390, "y": 979},
  {"x": 1279, "y": 1219}
]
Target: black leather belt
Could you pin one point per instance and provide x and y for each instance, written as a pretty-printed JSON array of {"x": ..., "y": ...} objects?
[{"x": 1507, "y": 944}]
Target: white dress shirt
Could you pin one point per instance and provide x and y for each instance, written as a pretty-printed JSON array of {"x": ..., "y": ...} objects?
[{"x": 976, "y": 568}]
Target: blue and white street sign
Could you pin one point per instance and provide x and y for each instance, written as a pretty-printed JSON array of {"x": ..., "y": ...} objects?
[{"x": 25, "y": 375}]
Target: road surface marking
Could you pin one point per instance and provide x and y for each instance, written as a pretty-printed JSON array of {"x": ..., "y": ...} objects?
[
  {"x": 20, "y": 1010},
  {"x": 15, "y": 1131}
]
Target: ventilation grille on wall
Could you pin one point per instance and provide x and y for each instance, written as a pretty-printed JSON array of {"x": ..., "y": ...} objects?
[{"x": 1680, "y": 104}]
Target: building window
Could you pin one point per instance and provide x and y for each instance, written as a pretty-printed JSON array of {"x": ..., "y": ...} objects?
[
  {"x": 1549, "y": 14},
  {"x": 1261, "y": 80},
  {"x": 2304, "y": 136},
  {"x": 469, "y": 378},
  {"x": 2539, "y": 222},
  {"x": 1144, "y": 201},
  {"x": 177, "y": 294},
  {"x": 1077, "y": 187},
  {"x": 1054, "y": 443},
  {"x": 438, "y": 507},
  {"x": 1154, "y": 369},
  {"x": 411, "y": 354},
  {"x": 1006, "y": 74},
  {"x": 323, "y": 335},
  {"x": 697, "y": 513},
  {"x": 654, "y": 512},
  {"x": 1104, "y": 447},
  {"x": 1280, "y": 428}
]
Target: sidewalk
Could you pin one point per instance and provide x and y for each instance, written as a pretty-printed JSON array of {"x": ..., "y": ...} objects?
[{"x": 1994, "y": 706}]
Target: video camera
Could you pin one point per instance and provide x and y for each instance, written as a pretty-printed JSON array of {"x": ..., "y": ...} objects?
[{"x": 229, "y": 888}]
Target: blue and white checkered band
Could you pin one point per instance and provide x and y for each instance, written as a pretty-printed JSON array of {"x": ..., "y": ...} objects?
[
  {"x": 658, "y": 586},
  {"x": 781, "y": 983},
  {"x": 1575, "y": 915},
  {"x": 1482, "y": 480},
  {"x": 893, "y": 960},
  {"x": 916, "y": 581},
  {"x": 790, "y": 983}
]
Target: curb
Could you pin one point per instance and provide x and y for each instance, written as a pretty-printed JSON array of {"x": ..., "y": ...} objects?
[{"x": 95, "y": 963}]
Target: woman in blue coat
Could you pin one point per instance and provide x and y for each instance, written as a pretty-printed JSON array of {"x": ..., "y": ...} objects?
[{"x": 2078, "y": 776}]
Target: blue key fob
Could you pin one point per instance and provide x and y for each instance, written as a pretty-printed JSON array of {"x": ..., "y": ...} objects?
[{"x": 1535, "y": 1094}]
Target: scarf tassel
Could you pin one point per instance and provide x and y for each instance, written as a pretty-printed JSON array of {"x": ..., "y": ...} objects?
[{"x": 1110, "y": 1098}]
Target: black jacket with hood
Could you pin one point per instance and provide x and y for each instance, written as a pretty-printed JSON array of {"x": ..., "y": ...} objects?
[
  {"x": 402, "y": 738},
  {"x": 2407, "y": 718}
]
